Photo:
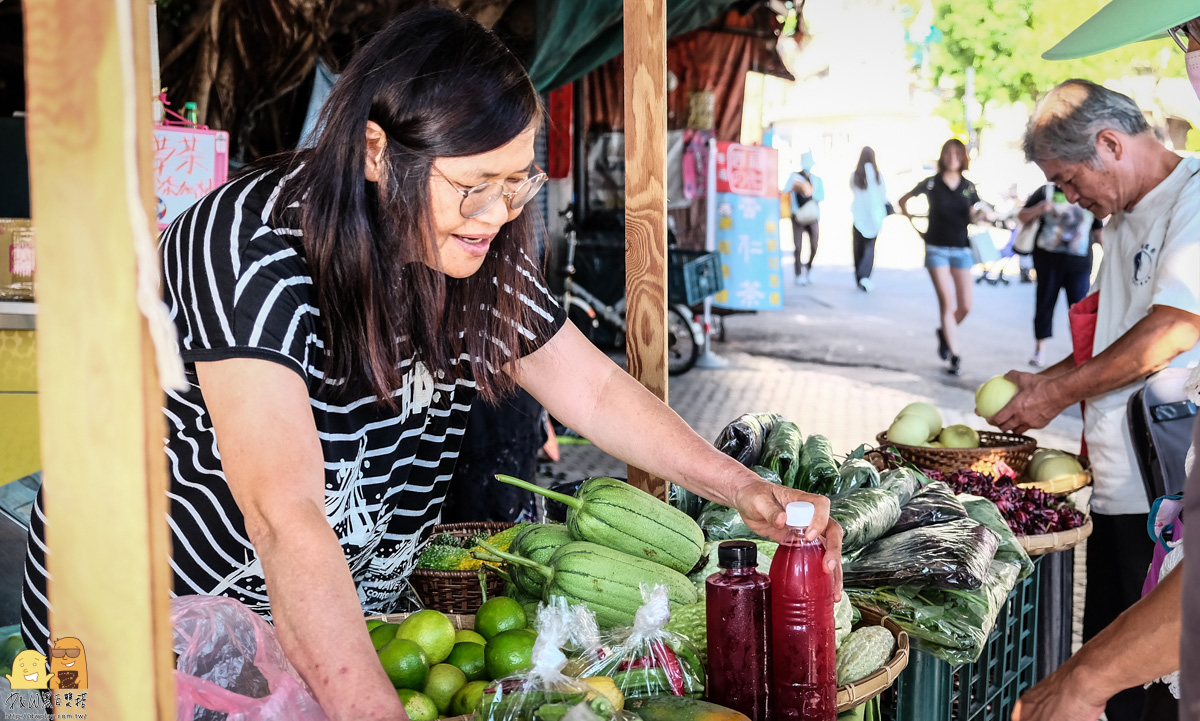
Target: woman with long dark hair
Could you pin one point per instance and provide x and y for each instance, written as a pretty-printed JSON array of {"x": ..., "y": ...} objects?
[
  {"x": 868, "y": 208},
  {"x": 948, "y": 258},
  {"x": 338, "y": 312}
]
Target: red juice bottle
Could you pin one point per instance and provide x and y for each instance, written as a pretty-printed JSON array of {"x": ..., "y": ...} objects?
[
  {"x": 802, "y": 625},
  {"x": 738, "y": 608}
]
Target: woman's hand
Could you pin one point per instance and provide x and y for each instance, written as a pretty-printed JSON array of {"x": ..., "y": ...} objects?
[{"x": 763, "y": 505}]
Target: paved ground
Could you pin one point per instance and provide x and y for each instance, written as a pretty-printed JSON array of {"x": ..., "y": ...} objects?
[{"x": 842, "y": 363}]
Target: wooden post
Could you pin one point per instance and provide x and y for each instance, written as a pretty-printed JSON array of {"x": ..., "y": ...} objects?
[
  {"x": 646, "y": 204},
  {"x": 89, "y": 120}
]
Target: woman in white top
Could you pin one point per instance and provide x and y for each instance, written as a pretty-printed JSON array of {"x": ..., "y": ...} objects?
[{"x": 868, "y": 208}]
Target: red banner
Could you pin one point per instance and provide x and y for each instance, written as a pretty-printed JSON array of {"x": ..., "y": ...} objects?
[{"x": 747, "y": 170}]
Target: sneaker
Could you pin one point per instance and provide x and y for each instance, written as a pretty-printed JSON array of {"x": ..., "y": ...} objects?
[
  {"x": 1037, "y": 360},
  {"x": 943, "y": 346},
  {"x": 865, "y": 285},
  {"x": 955, "y": 367}
]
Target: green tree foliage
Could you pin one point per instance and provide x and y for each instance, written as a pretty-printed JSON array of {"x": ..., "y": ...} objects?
[{"x": 1004, "y": 40}]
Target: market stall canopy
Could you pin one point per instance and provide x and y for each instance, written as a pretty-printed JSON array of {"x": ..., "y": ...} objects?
[{"x": 575, "y": 38}]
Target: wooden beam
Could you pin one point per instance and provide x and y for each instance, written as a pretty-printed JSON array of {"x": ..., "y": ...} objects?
[
  {"x": 646, "y": 204},
  {"x": 89, "y": 120}
]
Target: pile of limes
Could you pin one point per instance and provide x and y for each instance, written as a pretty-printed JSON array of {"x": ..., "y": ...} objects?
[{"x": 438, "y": 671}]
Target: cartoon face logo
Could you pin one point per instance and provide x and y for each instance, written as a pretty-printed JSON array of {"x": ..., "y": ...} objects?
[
  {"x": 68, "y": 665},
  {"x": 1143, "y": 265},
  {"x": 29, "y": 671}
]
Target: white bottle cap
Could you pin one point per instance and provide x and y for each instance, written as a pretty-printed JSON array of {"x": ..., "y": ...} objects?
[{"x": 800, "y": 514}]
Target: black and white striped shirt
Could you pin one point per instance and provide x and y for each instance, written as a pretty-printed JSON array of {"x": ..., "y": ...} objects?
[{"x": 238, "y": 287}]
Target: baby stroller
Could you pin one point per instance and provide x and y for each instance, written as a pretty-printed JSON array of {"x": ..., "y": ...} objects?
[{"x": 997, "y": 261}]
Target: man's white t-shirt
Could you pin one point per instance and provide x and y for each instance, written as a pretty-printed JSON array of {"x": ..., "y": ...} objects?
[{"x": 1151, "y": 257}]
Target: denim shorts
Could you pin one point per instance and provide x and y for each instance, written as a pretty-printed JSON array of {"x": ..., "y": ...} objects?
[{"x": 940, "y": 256}]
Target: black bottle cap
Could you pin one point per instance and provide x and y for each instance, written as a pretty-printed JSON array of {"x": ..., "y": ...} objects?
[{"x": 737, "y": 554}]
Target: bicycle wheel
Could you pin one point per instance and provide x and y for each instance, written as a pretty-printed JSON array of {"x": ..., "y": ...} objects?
[{"x": 683, "y": 343}]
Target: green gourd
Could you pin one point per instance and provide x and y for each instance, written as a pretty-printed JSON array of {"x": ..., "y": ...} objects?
[
  {"x": 864, "y": 652},
  {"x": 617, "y": 515},
  {"x": 605, "y": 580},
  {"x": 537, "y": 542}
]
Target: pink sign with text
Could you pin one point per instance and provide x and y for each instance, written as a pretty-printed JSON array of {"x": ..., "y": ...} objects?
[{"x": 188, "y": 163}]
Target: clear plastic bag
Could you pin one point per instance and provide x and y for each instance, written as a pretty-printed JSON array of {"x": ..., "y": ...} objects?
[
  {"x": 902, "y": 482},
  {"x": 743, "y": 438},
  {"x": 984, "y": 512},
  {"x": 230, "y": 666},
  {"x": 955, "y": 554},
  {"x": 781, "y": 451},
  {"x": 932, "y": 504},
  {"x": 649, "y": 660},
  {"x": 855, "y": 474},
  {"x": 864, "y": 516},
  {"x": 950, "y": 625},
  {"x": 545, "y": 692}
]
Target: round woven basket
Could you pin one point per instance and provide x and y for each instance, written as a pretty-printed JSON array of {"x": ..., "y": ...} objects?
[
  {"x": 458, "y": 591},
  {"x": 1054, "y": 542},
  {"x": 865, "y": 689},
  {"x": 1014, "y": 450}
]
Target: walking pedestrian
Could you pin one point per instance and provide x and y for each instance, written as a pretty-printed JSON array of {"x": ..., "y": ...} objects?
[
  {"x": 807, "y": 192},
  {"x": 869, "y": 207},
  {"x": 952, "y": 203},
  {"x": 1062, "y": 257}
]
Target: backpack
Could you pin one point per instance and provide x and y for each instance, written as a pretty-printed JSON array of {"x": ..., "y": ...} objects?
[{"x": 1160, "y": 426}]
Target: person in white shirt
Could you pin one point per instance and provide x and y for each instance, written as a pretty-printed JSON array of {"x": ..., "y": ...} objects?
[
  {"x": 1095, "y": 144},
  {"x": 868, "y": 208}
]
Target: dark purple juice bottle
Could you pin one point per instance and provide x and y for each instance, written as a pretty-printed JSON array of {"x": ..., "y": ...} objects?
[
  {"x": 802, "y": 625},
  {"x": 738, "y": 608}
]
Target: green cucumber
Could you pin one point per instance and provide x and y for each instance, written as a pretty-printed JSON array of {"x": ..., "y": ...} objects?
[
  {"x": 537, "y": 542},
  {"x": 615, "y": 514}
]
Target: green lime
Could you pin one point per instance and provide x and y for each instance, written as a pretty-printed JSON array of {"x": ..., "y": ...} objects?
[
  {"x": 465, "y": 636},
  {"x": 432, "y": 630},
  {"x": 383, "y": 633},
  {"x": 417, "y": 705},
  {"x": 373, "y": 622},
  {"x": 497, "y": 615},
  {"x": 405, "y": 663},
  {"x": 467, "y": 698},
  {"x": 444, "y": 681},
  {"x": 468, "y": 658},
  {"x": 508, "y": 653}
]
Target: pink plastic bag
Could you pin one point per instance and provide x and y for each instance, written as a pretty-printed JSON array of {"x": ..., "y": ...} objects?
[{"x": 230, "y": 663}]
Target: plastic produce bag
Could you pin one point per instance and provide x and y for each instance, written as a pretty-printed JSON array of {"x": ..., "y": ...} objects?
[
  {"x": 983, "y": 511},
  {"x": 864, "y": 516},
  {"x": 932, "y": 504},
  {"x": 545, "y": 693},
  {"x": 230, "y": 666},
  {"x": 855, "y": 473},
  {"x": 781, "y": 451},
  {"x": 951, "y": 625},
  {"x": 955, "y": 554},
  {"x": 818, "y": 471},
  {"x": 902, "y": 482},
  {"x": 743, "y": 439},
  {"x": 649, "y": 660}
]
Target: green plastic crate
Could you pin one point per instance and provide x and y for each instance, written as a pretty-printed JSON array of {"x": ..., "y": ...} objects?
[
  {"x": 930, "y": 689},
  {"x": 693, "y": 275}
]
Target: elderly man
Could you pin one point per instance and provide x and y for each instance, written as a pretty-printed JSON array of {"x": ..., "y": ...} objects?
[{"x": 1096, "y": 145}]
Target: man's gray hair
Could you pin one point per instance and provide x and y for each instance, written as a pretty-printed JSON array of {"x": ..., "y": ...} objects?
[{"x": 1065, "y": 123}]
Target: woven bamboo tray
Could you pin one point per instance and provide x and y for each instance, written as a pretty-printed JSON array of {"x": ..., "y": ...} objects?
[
  {"x": 865, "y": 689},
  {"x": 458, "y": 592},
  {"x": 1054, "y": 542},
  {"x": 1012, "y": 449},
  {"x": 1063, "y": 485}
]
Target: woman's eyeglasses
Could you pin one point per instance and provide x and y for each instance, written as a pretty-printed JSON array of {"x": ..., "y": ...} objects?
[
  {"x": 480, "y": 199},
  {"x": 1180, "y": 33}
]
